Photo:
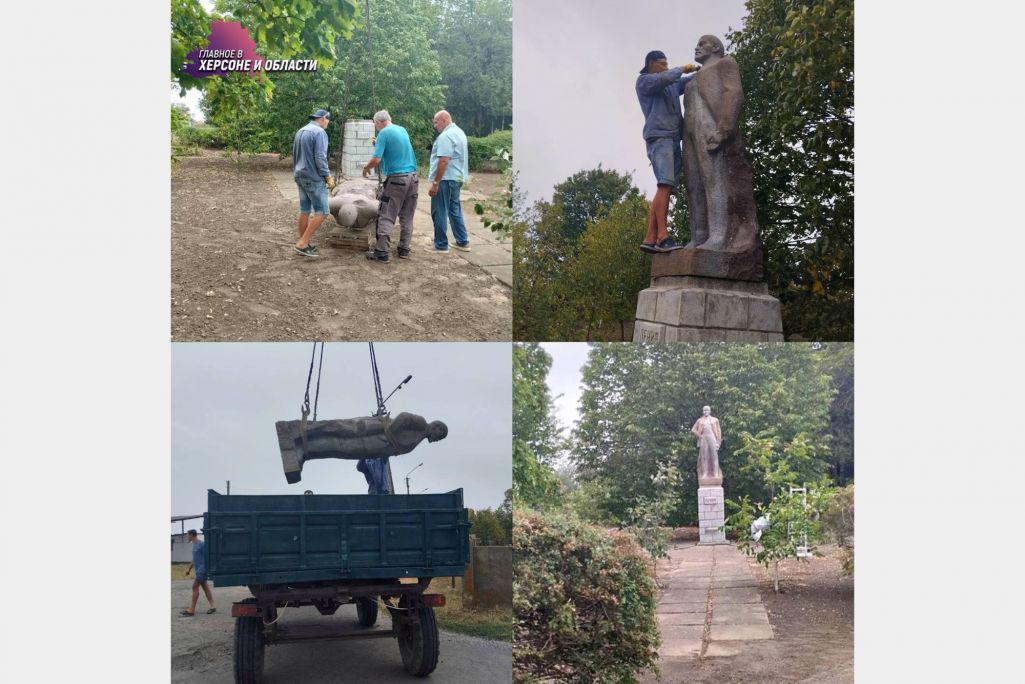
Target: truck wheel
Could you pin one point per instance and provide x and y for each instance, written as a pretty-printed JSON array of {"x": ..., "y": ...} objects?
[
  {"x": 366, "y": 611},
  {"x": 418, "y": 641},
  {"x": 249, "y": 649}
]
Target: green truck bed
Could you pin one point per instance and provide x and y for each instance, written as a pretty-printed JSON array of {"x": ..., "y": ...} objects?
[{"x": 288, "y": 539}]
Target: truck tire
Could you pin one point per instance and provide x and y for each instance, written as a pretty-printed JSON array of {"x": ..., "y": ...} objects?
[
  {"x": 249, "y": 649},
  {"x": 366, "y": 611},
  {"x": 418, "y": 641}
]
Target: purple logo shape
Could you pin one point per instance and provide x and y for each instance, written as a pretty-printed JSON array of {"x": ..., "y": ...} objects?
[{"x": 229, "y": 50}]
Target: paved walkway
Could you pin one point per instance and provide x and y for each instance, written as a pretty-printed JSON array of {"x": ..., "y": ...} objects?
[
  {"x": 710, "y": 605},
  {"x": 488, "y": 252}
]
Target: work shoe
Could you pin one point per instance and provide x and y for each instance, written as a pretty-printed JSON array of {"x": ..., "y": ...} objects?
[
  {"x": 649, "y": 248},
  {"x": 377, "y": 256},
  {"x": 463, "y": 248},
  {"x": 435, "y": 250},
  {"x": 403, "y": 253},
  {"x": 667, "y": 245},
  {"x": 308, "y": 250}
]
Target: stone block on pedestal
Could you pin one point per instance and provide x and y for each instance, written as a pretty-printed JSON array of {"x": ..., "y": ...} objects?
[
  {"x": 711, "y": 515},
  {"x": 699, "y": 295}
]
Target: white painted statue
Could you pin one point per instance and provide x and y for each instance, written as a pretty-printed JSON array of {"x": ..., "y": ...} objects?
[{"x": 709, "y": 437}]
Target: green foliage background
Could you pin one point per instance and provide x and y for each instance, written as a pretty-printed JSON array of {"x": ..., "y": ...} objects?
[
  {"x": 417, "y": 57},
  {"x": 584, "y": 603}
]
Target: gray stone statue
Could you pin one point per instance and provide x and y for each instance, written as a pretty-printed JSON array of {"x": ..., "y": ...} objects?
[
  {"x": 373, "y": 437},
  {"x": 352, "y": 210},
  {"x": 716, "y": 172},
  {"x": 709, "y": 436}
]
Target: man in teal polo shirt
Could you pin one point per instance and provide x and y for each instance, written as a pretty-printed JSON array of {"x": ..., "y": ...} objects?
[
  {"x": 449, "y": 170},
  {"x": 393, "y": 155}
]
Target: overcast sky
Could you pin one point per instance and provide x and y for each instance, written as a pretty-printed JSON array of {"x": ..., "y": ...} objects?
[
  {"x": 564, "y": 378},
  {"x": 225, "y": 399},
  {"x": 574, "y": 67}
]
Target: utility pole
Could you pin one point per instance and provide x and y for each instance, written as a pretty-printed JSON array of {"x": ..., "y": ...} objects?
[
  {"x": 407, "y": 477},
  {"x": 227, "y": 484}
]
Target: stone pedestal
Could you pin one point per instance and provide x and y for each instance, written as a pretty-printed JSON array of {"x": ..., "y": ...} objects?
[
  {"x": 350, "y": 238},
  {"x": 700, "y": 295},
  {"x": 356, "y": 147},
  {"x": 711, "y": 515}
]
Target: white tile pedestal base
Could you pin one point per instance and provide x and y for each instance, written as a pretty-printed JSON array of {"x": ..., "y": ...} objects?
[{"x": 711, "y": 515}]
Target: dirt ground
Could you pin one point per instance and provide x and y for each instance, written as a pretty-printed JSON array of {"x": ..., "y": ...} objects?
[
  {"x": 813, "y": 623},
  {"x": 235, "y": 276}
]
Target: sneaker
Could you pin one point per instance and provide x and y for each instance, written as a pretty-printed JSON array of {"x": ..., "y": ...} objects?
[
  {"x": 375, "y": 256},
  {"x": 463, "y": 248},
  {"x": 649, "y": 248},
  {"x": 435, "y": 250},
  {"x": 308, "y": 250},
  {"x": 667, "y": 245},
  {"x": 403, "y": 253}
]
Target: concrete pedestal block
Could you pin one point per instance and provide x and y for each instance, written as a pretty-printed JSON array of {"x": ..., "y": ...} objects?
[
  {"x": 351, "y": 238},
  {"x": 711, "y": 515},
  {"x": 697, "y": 309},
  {"x": 356, "y": 148}
]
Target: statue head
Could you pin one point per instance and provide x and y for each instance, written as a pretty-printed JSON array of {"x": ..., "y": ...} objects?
[
  {"x": 347, "y": 215},
  {"x": 436, "y": 430},
  {"x": 655, "y": 62},
  {"x": 708, "y": 46},
  {"x": 706, "y": 410}
]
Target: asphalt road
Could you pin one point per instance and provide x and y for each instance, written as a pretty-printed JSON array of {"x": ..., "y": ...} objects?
[{"x": 201, "y": 649}]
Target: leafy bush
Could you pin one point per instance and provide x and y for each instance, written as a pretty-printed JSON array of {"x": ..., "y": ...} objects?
[
  {"x": 180, "y": 123},
  {"x": 584, "y": 602},
  {"x": 838, "y": 520},
  {"x": 486, "y": 152},
  {"x": 209, "y": 137}
]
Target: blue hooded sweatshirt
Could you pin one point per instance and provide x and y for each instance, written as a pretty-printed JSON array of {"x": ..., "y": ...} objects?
[{"x": 659, "y": 95}]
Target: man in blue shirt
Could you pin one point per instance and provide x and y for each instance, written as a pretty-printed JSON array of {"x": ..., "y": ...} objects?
[
  {"x": 199, "y": 564},
  {"x": 450, "y": 168},
  {"x": 658, "y": 91},
  {"x": 393, "y": 155},
  {"x": 312, "y": 176}
]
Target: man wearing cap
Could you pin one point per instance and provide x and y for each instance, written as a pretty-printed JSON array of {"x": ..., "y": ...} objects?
[
  {"x": 393, "y": 155},
  {"x": 658, "y": 91},
  {"x": 449, "y": 170},
  {"x": 312, "y": 176}
]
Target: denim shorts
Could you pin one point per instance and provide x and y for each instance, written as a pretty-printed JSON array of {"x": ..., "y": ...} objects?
[
  {"x": 666, "y": 160},
  {"x": 312, "y": 193}
]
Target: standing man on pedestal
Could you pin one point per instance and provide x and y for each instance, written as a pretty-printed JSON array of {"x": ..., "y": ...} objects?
[
  {"x": 312, "y": 176},
  {"x": 709, "y": 436},
  {"x": 450, "y": 168},
  {"x": 658, "y": 91},
  {"x": 393, "y": 155}
]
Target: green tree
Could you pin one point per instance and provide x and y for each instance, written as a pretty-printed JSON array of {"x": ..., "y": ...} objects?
[
  {"x": 588, "y": 196},
  {"x": 474, "y": 43},
  {"x": 576, "y": 263},
  {"x": 604, "y": 300},
  {"x": 489, "y": 529},
  {"x": 837, "y": 359},
  {"x": 794, "y": 518},
  {"x": 535, "y": 434},
  {"x": 281, "y": 29},
  {"x": 395, "y": 70},
  {"x": 639, "y": 403},
  {"x": 797, "y": 66}
]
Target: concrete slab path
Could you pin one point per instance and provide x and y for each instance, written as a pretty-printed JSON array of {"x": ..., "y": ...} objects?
[
  {"x": 488, "y": 251},
  {"x": 710, "y": 607}
]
